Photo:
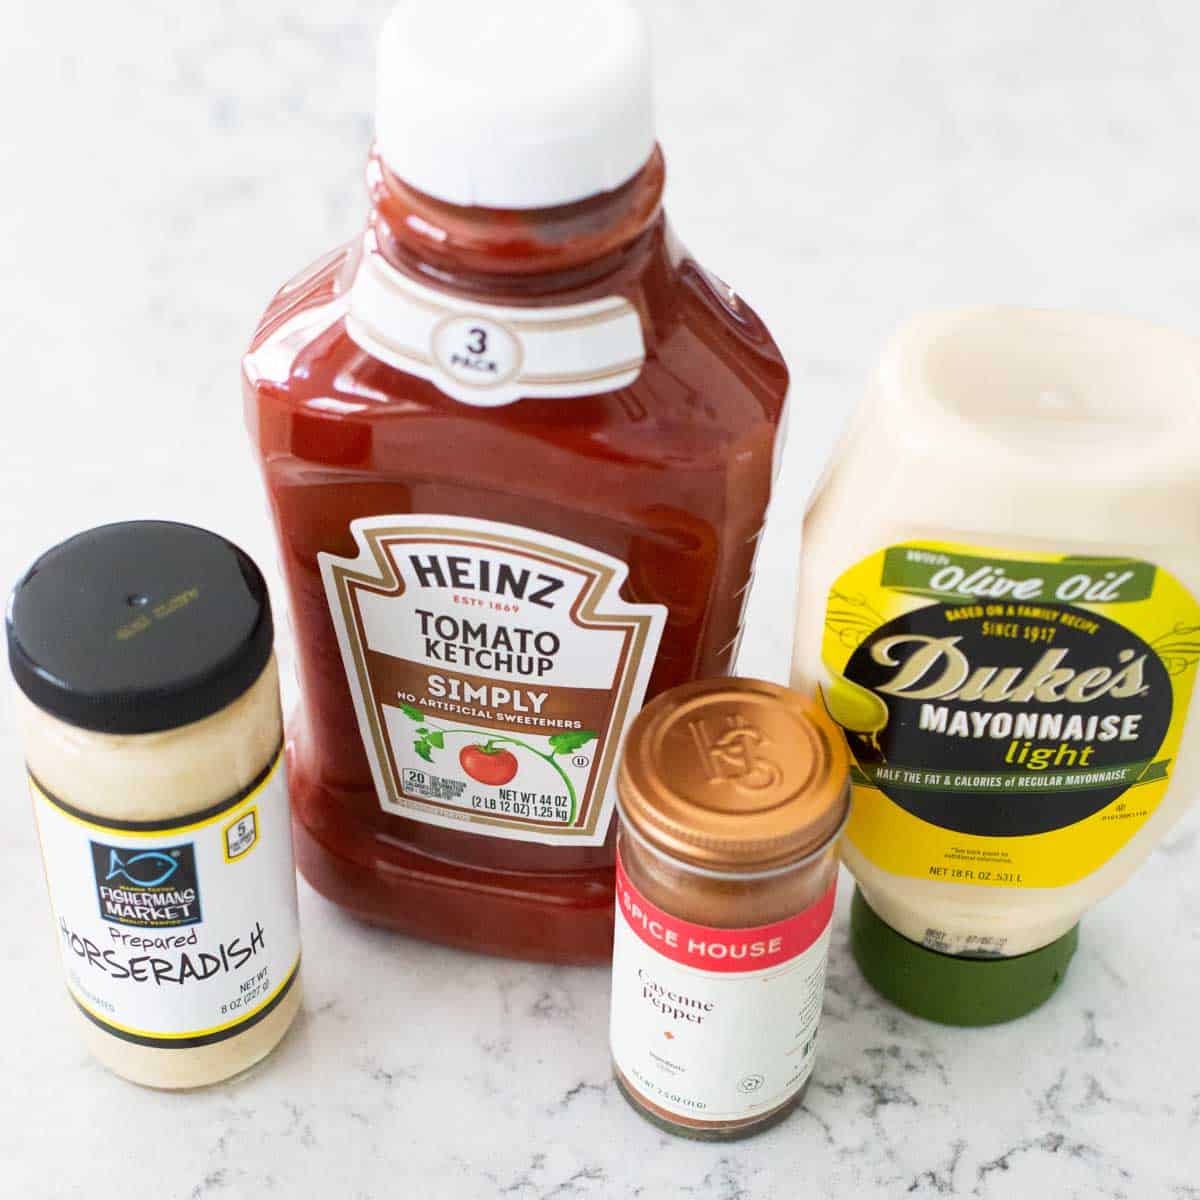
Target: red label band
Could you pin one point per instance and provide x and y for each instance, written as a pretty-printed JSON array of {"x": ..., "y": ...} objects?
[{"x": 726, "y": 951}]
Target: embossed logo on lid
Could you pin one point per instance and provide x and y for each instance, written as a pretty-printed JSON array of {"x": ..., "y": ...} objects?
[{"x": 735, "y": 774}]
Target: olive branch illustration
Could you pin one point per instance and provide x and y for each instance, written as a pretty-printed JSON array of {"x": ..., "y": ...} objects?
[
  {"x": 431, "y": 736},
  {"x": 850, "y": 618},
  {"x": 1179, "y": 649}
]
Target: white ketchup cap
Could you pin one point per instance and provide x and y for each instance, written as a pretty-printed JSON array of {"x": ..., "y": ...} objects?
[{"x": 514, "y": 103}]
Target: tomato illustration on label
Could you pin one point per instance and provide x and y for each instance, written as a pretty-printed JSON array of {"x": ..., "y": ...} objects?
[
  {"x": 491, "y": 762},
  {"x": 486, "y": 764}
]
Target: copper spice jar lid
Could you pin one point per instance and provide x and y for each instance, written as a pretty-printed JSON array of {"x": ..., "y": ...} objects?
[{"x": 735, "y": 775}]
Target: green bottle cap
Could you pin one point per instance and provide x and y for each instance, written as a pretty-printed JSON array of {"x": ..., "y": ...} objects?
[{"x": 950, "y": 988}]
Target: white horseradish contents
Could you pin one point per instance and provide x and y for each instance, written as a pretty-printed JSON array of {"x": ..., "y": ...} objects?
[
  {"x": 149, "y": 705},
  {"x": 998, "y": 604}
]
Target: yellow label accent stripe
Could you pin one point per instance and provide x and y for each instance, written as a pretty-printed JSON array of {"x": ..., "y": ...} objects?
[{"x": 229, "y": 1026}]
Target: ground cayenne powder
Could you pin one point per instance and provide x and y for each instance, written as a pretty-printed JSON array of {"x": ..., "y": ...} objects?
[
  {"x": 732, "y": 797},
  {"x": 149, "y": 703}
]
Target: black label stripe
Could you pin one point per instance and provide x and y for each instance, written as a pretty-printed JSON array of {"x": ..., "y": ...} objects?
[
  {"x": 206, "y": 1039},
  {"x": 196, "y": 818}
]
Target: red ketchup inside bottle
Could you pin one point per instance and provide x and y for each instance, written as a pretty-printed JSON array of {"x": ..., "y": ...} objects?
[{"x": 518, "y": 455}]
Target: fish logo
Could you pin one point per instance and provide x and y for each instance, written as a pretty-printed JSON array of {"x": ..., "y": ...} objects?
[
  {"x": 147, "y": 886},
  {"x": 151, "y": 868}
]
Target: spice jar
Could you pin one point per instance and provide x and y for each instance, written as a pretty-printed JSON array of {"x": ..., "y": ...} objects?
[
  {"x": 732, "y": 795},
  {"x": 149, "y": 702}
]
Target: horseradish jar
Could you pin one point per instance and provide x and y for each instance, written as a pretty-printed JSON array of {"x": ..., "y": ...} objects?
[{"x": 149, "y": 702}]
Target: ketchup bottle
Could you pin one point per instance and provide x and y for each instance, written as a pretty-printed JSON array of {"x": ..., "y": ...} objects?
[{"x": 518, "y": 448}]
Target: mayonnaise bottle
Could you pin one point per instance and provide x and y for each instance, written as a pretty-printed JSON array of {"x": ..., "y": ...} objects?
[{"x": 998, "y": 604}]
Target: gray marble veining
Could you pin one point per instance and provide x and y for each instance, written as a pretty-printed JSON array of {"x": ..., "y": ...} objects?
[{"x": 167, "y": 166}]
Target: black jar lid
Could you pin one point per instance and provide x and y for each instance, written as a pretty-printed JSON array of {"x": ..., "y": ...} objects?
[{"x": 139, "y": 627}]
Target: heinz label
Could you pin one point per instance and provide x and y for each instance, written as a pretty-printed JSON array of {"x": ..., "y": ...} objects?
[{"x": 494, "y": 670}]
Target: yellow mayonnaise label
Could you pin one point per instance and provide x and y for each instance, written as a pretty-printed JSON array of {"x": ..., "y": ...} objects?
[{"x": 1014, "y": 717}]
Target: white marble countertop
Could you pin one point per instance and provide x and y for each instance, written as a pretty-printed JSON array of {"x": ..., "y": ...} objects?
[{"x": 166, "y": 166}]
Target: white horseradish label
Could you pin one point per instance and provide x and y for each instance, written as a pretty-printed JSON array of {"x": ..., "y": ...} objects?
[
  {"x": 179, "y": 933},
  {"x": 716, "y": 1024},
  {"x": 489, "y": 355},
  {"x": 1014, "y": 717},
  {"x": 494, "y": 671}
]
